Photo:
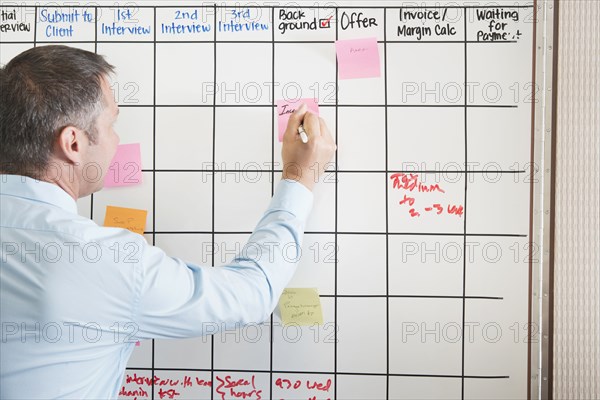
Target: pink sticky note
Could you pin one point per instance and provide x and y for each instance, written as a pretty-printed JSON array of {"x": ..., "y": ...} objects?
[
  {"x": 358, "y": 58},
  {"x": 285, "y": 108},
  {"x": 137, "y": 344},
  {"x": 126, "y": 167}
]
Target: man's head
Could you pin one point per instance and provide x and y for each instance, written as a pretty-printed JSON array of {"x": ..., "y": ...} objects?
[{"x": 56, "y": 117}]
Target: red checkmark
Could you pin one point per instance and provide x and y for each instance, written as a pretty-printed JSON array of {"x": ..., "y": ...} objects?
[{"x": 326, "y": 22}]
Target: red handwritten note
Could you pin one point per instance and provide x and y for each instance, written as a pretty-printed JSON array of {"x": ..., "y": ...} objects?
[
  {"x": 166, "y": 385},
  {"x": 238, "y": 386},
  {"x": 358, "y": 58},
  {"x": 126, "y": 167},
  {"x": 302, "y": 386},
  {"x": 411, "y": 184},
  {"x": 285, "y": 108}
]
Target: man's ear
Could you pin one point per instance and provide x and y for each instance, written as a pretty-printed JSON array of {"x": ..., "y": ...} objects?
[{"x": 71, "y": 144}]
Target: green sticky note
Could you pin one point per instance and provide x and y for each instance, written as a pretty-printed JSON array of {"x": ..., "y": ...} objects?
[{"x": 301, "y": 306}]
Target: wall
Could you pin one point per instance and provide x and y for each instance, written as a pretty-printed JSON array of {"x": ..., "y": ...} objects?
[{"x": 577, "y": 233}]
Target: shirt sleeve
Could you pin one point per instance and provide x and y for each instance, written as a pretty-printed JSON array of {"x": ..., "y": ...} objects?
[{"x": 178, "y": 299}]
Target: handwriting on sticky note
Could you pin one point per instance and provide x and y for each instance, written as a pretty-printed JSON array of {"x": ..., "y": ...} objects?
[
  {"x": 285, "y": 108},
  {"x": 358, "y": 58},
  {"x": 301, "y": 306},
  {"x": 128, "y": 218},
  {"x": 126, "y": 167}
]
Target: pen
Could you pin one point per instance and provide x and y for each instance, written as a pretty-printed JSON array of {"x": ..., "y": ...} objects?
[{"x": 302, "y": 133}]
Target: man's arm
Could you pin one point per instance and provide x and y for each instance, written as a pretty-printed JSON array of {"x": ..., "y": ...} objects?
[{"x": 182, "y": 300}]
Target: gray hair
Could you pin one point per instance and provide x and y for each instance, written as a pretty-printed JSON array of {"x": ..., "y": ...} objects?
[{"x": 42, "y": 91}]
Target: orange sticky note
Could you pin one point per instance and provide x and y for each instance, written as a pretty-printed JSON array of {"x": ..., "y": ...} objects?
[{"x": 128, "y": 218}]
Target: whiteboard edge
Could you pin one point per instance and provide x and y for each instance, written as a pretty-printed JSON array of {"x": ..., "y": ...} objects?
[{"x": 542, "y": 286}]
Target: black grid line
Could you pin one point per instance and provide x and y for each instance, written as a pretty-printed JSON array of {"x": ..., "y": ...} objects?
[
  {"x": 515, "y": 235},
  {"x": 153, "y": 170},
  {"x": 317, "y": 372},
  {"x": 214, "y": 155},
  {"x": 336, "y": 171},
  {"x": 273, "y": 131},
  {"x": 464, "y": 277},
  {"x": 95, "y": 51},
  {"x": 323, "y": 105},
  {"x": 408, "y": 296},
  {"x": 266, "y": 42},
  {"x": 35, "y": 10},
  {"x": 387, "y": 214},
  {"x": 336, "y": 198}
]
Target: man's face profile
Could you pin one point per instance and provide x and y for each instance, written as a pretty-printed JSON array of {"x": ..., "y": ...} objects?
[{"x": 103, "y": 150}]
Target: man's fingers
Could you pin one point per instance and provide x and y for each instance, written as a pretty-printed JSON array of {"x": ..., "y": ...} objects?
[
  {"x": 325, "y": 132},
  {"x": 312, "y": 125},
  {"x": 295, "y": 120},
  {"x": 297, "y": 116}
]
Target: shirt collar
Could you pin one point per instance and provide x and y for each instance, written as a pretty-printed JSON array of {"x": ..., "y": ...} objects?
[{"x": 29, "y": 188}]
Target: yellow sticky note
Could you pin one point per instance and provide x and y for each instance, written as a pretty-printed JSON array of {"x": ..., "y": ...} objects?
[
  {"x": 301, "y": 306},
  {"x": 128, "y": 218}
]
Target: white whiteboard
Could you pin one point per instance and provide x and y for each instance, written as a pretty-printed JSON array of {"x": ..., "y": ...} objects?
[{"x": 397, "y": 290}]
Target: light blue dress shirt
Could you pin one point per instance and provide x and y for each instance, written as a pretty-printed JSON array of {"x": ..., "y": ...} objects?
[{"x": 75, "y": 296}]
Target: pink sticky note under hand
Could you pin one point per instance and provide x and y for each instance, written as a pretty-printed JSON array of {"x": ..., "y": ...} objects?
[
  {"x": 286, "y": 108},
  {"x": 126, "y": 167},
  {"x": 358, "y": 58}
]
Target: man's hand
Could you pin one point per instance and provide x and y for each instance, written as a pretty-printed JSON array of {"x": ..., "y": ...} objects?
[{"x": 306, "y": 162}]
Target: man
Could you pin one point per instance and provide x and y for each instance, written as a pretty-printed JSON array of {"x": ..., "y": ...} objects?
[{"x": 75, "y": 297}]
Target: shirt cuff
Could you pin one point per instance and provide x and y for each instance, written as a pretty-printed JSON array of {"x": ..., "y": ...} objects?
[{"x": 294, "y": 197}]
